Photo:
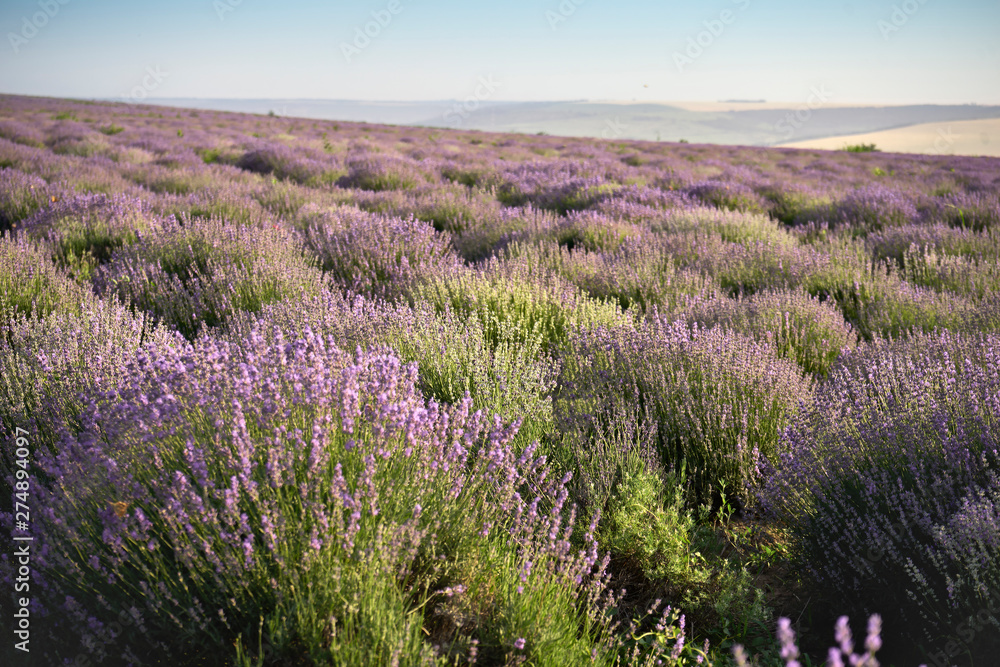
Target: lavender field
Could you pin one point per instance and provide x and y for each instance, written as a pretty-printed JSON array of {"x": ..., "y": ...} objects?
[{"x": 300, "y": 392}]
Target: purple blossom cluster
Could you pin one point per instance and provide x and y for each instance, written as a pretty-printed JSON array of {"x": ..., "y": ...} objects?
[
  {"x": 378, "y": 255},
  {"x": 838, "y": 656}
]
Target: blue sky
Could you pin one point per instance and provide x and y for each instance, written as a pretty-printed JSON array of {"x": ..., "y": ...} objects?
[{"x": 929, "y": 51}]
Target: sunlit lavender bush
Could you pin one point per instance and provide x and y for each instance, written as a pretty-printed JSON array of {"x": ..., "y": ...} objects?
[
  {"x": 731, "y": 226},
  {"x": 583, "y": 230},
  {"x": 510, "y": 376},
  {"x": 530, "y": 301},
  {"x": 200, "y": 273},
  {"x": 641, "y": 276},
  {"x": 20, "y": 195},
  {"x": 812, "y": 333},
  {"x": 715, "y": 401},
  {"x": 49, "y": 365},
  {"x": 31, "y": 283}
]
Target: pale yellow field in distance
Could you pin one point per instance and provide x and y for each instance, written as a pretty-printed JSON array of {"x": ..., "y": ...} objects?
[
  {"x": 719, "y": 107},
  {"x": 963, "y": 137}
]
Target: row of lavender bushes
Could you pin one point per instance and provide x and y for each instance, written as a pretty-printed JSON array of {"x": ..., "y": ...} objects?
[
  {"x": 183, "y": 508},
  {"x": 699, "y": 424},
  {"x": 217, "y": 489},
  {"x": 674, "y": 327}
]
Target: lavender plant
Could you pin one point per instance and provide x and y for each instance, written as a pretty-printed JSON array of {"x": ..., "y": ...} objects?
[
  {"x": 592, "y": 232},
  {"x": 642, "y": 275},
  {"x": 976, "y": 210},
  {"x": 716, "y": 401},
  {"x": 561, "y": 186},
  {"x": 970, "y": 277},
  {"x": 49, "y": 365},
  {"x": 731, "y": 226},
  {"x": 453, "y": 209},
  {"x": 886, "y": 474},
  {"x": 21, "y": 133},
  {"x": 490, "y": 235},
  {"x": 511, "y": 377},
  {"x": 984, "y": 318},
  {"x": 799, "y": 327},
  {"x": 85, "y": 230},
  {"x": 285, "y": 163},
  {"x": 30, "y": 283},
  {"x": 21, "y": 195},
  {"x": 839, "y": 655},
  {"x": 510, "y": 293},
  {"x": 170, "y": 180},
  {"x": 728, "y": 196},
  {"x": 235, "y": 205},
  {"x": 378, "y": 172},
  {"x": 895, "y": 242},
  {"x": 872, "y": 208},
  {"x": 31, "y": 160},
  {"x": 200, "y": 273},
  {"x": 378, "y": 255}
]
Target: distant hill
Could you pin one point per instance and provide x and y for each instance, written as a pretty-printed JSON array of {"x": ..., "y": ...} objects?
[
  {"x": 766, "y": 126},
  {"x": 755, "y": 127},
  {"x": 391, "y": 113}
]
